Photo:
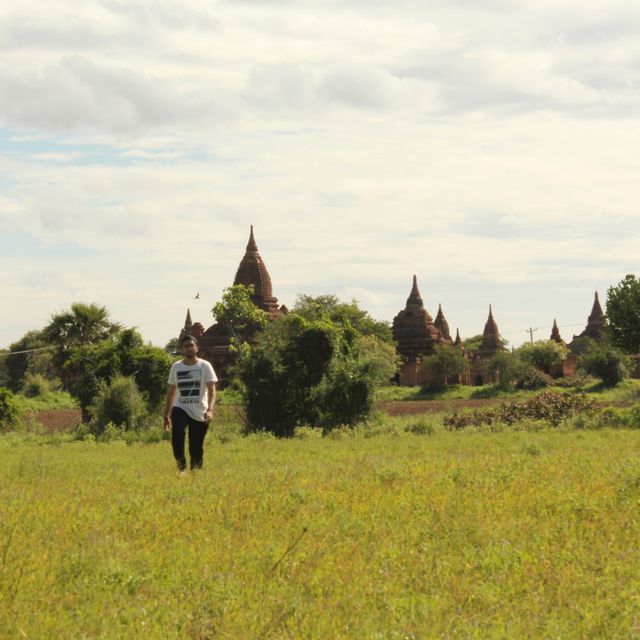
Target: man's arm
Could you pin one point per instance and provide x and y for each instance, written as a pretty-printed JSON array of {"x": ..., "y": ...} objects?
[
  {"x": 171, "y": 394},
  {"x": 211, "y": 401}
]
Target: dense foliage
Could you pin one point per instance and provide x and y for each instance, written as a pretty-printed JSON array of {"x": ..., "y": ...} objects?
[
  {"x": 86, "y": 351},
  {"x": 8, "y": 410},
  {"x": 543, "y": 354},
  {"x": 604, "y": 361},
  {"x": 444, "y": 366},
  {"x": 623, "y": 312},
  {"x": 27, "y": 355},
  {"x": 315, "y": 372},
  {"x": 345, "y": 314},
  {"x": 239, "y": 315},
  {"x": 118, "y": 403}
]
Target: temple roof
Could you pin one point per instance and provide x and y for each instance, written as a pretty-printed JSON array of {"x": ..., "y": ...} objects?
[
  {"x": 597, "y": 315},
  {"x": 491, "y": 341},
  {"x": 415, "y": 299},
  {"x": 253, "y": 271},
  {"x": 597, "y": 321},
  {"x": 555, "y": 333},
  {"x": 441, "y": 323},
  {"x": 188, "y": 322},
  {"x": 413, "y": 327}
]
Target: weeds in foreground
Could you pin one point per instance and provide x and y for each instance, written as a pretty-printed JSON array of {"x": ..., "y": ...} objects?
[{"x": 459, "y": 534}]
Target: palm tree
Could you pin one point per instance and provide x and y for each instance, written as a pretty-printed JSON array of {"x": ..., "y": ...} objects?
[
  {"x": 82, "y": 324},
  {"x": 69, "y": 331}
]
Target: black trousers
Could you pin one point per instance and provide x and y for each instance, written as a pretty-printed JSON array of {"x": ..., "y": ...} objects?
[{"x": 180, "y": 422}]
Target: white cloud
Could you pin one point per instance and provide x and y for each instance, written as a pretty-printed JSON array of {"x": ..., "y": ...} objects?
[{"x": 486, "y": 147}]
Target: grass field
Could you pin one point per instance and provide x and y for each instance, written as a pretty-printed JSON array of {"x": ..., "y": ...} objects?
[{"x": 450, "y": 535}]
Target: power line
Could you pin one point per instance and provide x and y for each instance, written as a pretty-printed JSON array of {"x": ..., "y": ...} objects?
[
  {"x": 560, "y": 326},
  {"x": 15, "y": 353}
]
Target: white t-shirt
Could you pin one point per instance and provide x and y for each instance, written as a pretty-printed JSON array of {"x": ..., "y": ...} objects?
[{"x": 191, "y": 382}]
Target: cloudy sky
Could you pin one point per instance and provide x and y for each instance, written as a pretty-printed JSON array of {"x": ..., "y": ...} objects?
[{"x": 491, "y": 148}]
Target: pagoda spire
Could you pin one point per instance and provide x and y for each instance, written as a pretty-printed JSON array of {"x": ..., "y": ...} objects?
[
  {"x": 457, "y": 341},
  {"x": 596, "y": 322},
  {"x": 442, "y": 324},
  {"x": 596, "y": 310},
  {"x": 188, "y": 323},
  {"x": 251, "y": 245},
  {"x": 555, "y": 333},
  {"x": 253, "y": 272},
  {"x": 415, "y": 299},
  {"x": 491, "y": 341}
]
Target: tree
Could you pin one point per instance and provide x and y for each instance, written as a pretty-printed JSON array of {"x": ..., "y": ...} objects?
[
  {"x": 71, "y": 332},
  {"x": 18, "y": 365},
  {"x": 312, "y": 372},
  {"x": 82, "y": 324},
  {"x": 543, "y": 354},
  {"x": 606, "y": 362},
  {"x": 506, "y": 368},
  {"x": 444, "y": 365},
  {"x": 148, "y": 365},
  {"x": 119, "y": 403},
  {"x": 8, "y": 410},
  {"x": 346, "y": 314},
  {"x": 623, "y": 312},
  {"x": 237, "y": 313}
]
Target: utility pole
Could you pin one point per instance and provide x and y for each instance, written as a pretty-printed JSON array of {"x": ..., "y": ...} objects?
[{"x": 530, "y": 331}]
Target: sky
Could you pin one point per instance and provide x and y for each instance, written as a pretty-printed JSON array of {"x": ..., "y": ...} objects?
[{"x": 491, "y": 148}]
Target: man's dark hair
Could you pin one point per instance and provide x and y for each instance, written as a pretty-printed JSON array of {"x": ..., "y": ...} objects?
[{"x": 188, "y": 339}]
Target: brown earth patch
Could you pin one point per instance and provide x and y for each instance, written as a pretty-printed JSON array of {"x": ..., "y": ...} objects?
[
  {"x": 411, "y": 407},
  {"x": 55, "y": 420}
]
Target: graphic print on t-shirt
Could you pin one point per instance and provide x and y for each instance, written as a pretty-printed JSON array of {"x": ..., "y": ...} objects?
[{"x": 189, "y": 385}]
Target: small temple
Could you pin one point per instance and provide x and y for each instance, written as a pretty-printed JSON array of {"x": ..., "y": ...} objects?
[{"x": 414, "y": 330}]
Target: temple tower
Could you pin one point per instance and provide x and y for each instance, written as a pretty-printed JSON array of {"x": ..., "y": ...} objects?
[
  {"x": 413, "y": 328},
  {"x": 442, "y": 325},
  {"x": 415, "y": 334},
  {"x": 555, "y": 333},
  {"x": 491, "y": 341},
  {"x": 596, "y": 323},
  {"x": 253, "y": 271}
]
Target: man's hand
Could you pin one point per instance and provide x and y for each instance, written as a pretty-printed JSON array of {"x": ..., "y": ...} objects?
[
  {"x": 167, "y": 423},
  {"x": 208, "y": 415}
]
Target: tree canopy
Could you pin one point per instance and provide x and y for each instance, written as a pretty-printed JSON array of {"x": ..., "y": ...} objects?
[
  {"x": 345, "y": 314},
  {"x": 623, "y": 312},
  {"x": 239, "y": 315},
  {"x": 314, "y": 368}
]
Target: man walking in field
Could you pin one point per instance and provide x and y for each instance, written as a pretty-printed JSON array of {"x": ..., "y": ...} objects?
[{"x": 191, "y": 396}]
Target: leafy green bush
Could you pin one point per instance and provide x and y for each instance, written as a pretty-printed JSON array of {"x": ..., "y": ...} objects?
[
  {"x": 532, "y": 379},
  {"x": 311, "y": 372},
  {"x": 506, "y": 369},
  {"x": 8, "y": 410},
  {"x": 444, "y": 365},
  {"x": 35, "y": 385},
  {"x": 605, "y": 362},
  {"x": 119, "y": 405},
  {"x": 543, "y": 354}
]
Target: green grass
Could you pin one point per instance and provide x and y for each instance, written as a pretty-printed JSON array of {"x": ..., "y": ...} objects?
[
  {"x": 626, "y": 391},
  {"x": 48, "y": 400},
  {"x": 469, "y": 535}
]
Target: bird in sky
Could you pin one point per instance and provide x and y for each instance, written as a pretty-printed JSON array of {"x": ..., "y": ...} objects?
[{"x": 197, "y": 296}]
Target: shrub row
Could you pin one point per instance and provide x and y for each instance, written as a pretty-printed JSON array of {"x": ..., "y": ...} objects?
[{"x": 550, "y": 407}]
